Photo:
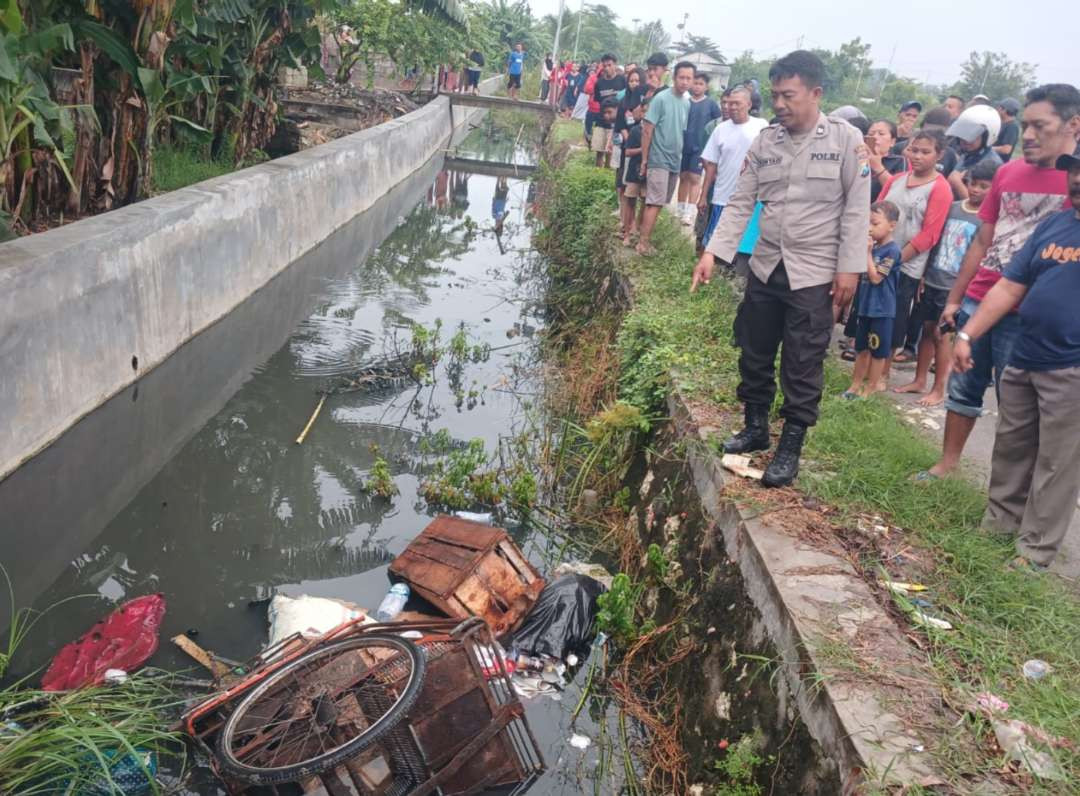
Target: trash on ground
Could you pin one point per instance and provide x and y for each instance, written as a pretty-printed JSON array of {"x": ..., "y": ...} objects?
[
  {"x": 1036, "y": 669},
  {"x": 990, "y": 703},
  {"x": 309, "y": 616},
  {"x": 1018, "y": 740},
  {"x": 125, "y": 639},
  {"x": 930, "y": 621},
  {"x": 561, "y": 622},
  {"x": 594, "y": 571},
  {"x": 475, "y": 516},
  {"x": 131, "y": 775},
  {"x": 401, "y": 716},
  {"x": 740, "y": 465},
  {"x": 580, "y": 741},
  {"x": 467, "y": 568},
  {"x": 393, "y": 603},
  {"x": 902, "y": 588}
]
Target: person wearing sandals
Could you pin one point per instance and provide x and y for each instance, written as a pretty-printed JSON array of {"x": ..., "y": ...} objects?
[{"x": 1035, "y": 469}]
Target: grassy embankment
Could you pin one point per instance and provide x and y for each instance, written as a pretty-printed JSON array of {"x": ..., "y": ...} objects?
[{"x": 859, "y": 460}]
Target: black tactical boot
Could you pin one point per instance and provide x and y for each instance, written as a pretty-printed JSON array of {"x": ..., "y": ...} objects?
[
  {"x": 755, "y": 436},
  {"x": 785, "y": 462}
]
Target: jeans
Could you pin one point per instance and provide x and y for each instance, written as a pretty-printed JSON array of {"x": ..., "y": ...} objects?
[{"x": 989, "y": 355}]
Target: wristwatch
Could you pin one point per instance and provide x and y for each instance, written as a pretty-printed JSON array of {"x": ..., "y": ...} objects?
[{"x": 962, "y": 335}]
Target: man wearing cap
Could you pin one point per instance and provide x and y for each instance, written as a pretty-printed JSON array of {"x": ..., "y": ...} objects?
[
  {"x": 905, "y": 124},
  {"x": 812, "y": 177},
  {"x": 1009, "y": 136},
  {"x": 1035, "y": 471}
]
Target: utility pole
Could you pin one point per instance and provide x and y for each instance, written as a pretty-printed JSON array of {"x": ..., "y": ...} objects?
[
  {"x": 885, "y": 77},
  {"x": 577, "y": 36},
  {"x": 558, "y": 31}
]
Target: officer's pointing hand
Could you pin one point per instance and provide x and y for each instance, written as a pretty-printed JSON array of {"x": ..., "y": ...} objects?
[
  {"x": 702, "y": 271},
  {"x": 843, "y": 288}
]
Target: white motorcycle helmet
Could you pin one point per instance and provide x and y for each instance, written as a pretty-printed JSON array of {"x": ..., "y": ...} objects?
[{"x": 975, "y": 121}]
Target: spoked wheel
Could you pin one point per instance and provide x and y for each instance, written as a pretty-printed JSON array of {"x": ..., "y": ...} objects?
[{"x": 321, "y": 709}]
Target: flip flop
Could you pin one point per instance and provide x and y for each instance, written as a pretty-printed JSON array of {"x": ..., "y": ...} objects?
[
  {"x": 848, "y": 355},
  {"x": 925, "y": 477},
  {"x": 848, "y": 395}
]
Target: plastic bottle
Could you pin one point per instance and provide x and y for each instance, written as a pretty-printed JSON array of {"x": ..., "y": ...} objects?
[{"x": 393, "y": 603}]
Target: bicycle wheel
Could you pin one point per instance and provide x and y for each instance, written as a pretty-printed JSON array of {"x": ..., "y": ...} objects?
[{"x": 321, "y": 709}]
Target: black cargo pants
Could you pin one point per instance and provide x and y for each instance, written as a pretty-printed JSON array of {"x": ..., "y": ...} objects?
[{"x": 797, "y": 322}]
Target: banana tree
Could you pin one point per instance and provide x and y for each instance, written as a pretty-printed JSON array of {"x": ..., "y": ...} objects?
[{"x": 30, "y": 120}]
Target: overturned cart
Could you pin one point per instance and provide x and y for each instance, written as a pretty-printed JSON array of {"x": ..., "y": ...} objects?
[{"x": 367, "y": 710}]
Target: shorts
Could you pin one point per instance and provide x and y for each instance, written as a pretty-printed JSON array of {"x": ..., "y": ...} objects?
[
  {"x": 514, "y": 81},
  {"x": 989, "y": 355},
  {"x": 931, "y": 305},
  {"x": 659, "y": 186},
  {"x": 691, "y": 161},
  {"x": 601, "y": 137},
  {"x": 473, "y": 78},
  {"x": 874, "y": 335},
  {"x": 634, "y": 190}
]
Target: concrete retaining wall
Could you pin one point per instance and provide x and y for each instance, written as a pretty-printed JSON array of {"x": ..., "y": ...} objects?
[{"x": 88, "y": 308}]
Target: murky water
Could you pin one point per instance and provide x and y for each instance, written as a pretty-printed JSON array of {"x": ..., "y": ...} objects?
[{"x": 191, "y": 483}]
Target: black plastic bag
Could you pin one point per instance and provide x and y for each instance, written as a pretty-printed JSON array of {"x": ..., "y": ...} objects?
[{"x": 561, "y": 622}]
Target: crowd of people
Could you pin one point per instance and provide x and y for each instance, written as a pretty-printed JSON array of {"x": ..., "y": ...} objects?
[{"x": 948, "y": 238}]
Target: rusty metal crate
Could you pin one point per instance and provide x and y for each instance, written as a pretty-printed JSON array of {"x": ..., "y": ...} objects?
[
  {"x": 466, "y": 732},
  {"x": 467, "y": 568}
]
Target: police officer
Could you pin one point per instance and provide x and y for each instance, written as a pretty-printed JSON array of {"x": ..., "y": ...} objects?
[{"x": 811, "y": 175}]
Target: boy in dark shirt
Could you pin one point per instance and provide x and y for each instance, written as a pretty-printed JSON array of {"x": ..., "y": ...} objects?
[
  {"x": 877, "y": 302},
  {"x": 631, "y": 174}
]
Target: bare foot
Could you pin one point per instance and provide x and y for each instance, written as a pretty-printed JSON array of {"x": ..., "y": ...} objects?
[
  {"x": 645, "y": 250},
  {"x": 627, "y": 242},
  {"x": 940, "y": 470},
  {"x": 879, "y": 387},
  {"x": 932, "y": 399},
  {"x": 914, "y": 386}
]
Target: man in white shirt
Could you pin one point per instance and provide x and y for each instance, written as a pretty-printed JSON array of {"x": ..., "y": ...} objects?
[{"x": 724, "y": 154}]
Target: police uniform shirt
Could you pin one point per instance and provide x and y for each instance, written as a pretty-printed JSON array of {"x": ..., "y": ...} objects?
[{"x": 815, "y": 193}]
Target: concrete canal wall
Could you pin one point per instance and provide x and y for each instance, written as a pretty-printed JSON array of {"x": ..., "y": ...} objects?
[{"x": 89, "y": 308}]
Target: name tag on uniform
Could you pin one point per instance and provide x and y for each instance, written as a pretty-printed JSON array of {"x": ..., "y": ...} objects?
[
  {"x": 826, "y": 156},
  {"x": 774, "y": 161}
]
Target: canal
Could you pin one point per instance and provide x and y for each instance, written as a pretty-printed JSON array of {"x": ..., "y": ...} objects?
[{"x": 191, "y": 483}]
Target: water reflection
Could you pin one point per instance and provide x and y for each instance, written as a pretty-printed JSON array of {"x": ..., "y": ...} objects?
[{"x": 241, "y": 511}]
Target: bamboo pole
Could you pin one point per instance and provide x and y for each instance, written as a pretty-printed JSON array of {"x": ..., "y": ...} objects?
[{"x": 311, "y": 422}]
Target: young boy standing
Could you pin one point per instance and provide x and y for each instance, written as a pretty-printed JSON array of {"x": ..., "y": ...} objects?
[
  {"x": 960, "y": 228},
  {"x": 602, "y": 132},
  {"x": 923, "y": 198},
  {"x": 703, "y": 109},
  {"x": 876, "y": 302},
  {"x": 630, "y": 168}
]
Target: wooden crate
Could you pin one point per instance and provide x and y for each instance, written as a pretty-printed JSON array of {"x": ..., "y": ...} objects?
[{"x": 466, "y": 568}]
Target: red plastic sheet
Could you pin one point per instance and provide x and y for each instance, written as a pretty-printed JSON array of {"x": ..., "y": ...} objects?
[{"x": 124, "y": 639}]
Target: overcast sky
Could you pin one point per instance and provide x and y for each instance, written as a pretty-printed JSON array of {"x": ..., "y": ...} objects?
[{"x": 931, "y": 37}]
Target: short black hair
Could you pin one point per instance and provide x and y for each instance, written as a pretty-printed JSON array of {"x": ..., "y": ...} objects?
[
  {"x": 802, "y": 64},
  {"x": 935, "y": 137},
  {"x": 701, "y": 76},
  {"x": 607, "y": 57},
  {"x": 887, "y": 209},
  {"x": 985, "y": 169},
  {"x": 957, "y": 97},
  {"x": 610, "y": 102},
  {"x": 1064, "y": 97},
  {"x": 657, "y": 59},
  {"x": 938, "y": 117},
  {"x": 684, "y": 65}
]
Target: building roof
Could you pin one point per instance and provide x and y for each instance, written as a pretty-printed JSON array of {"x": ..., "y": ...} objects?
[{"x": 701, "y": 60}]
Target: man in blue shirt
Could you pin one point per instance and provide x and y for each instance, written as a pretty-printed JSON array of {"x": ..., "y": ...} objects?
[
  {"x": 1035, "y": 473},
  {"x": 515, "y": 64}
]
